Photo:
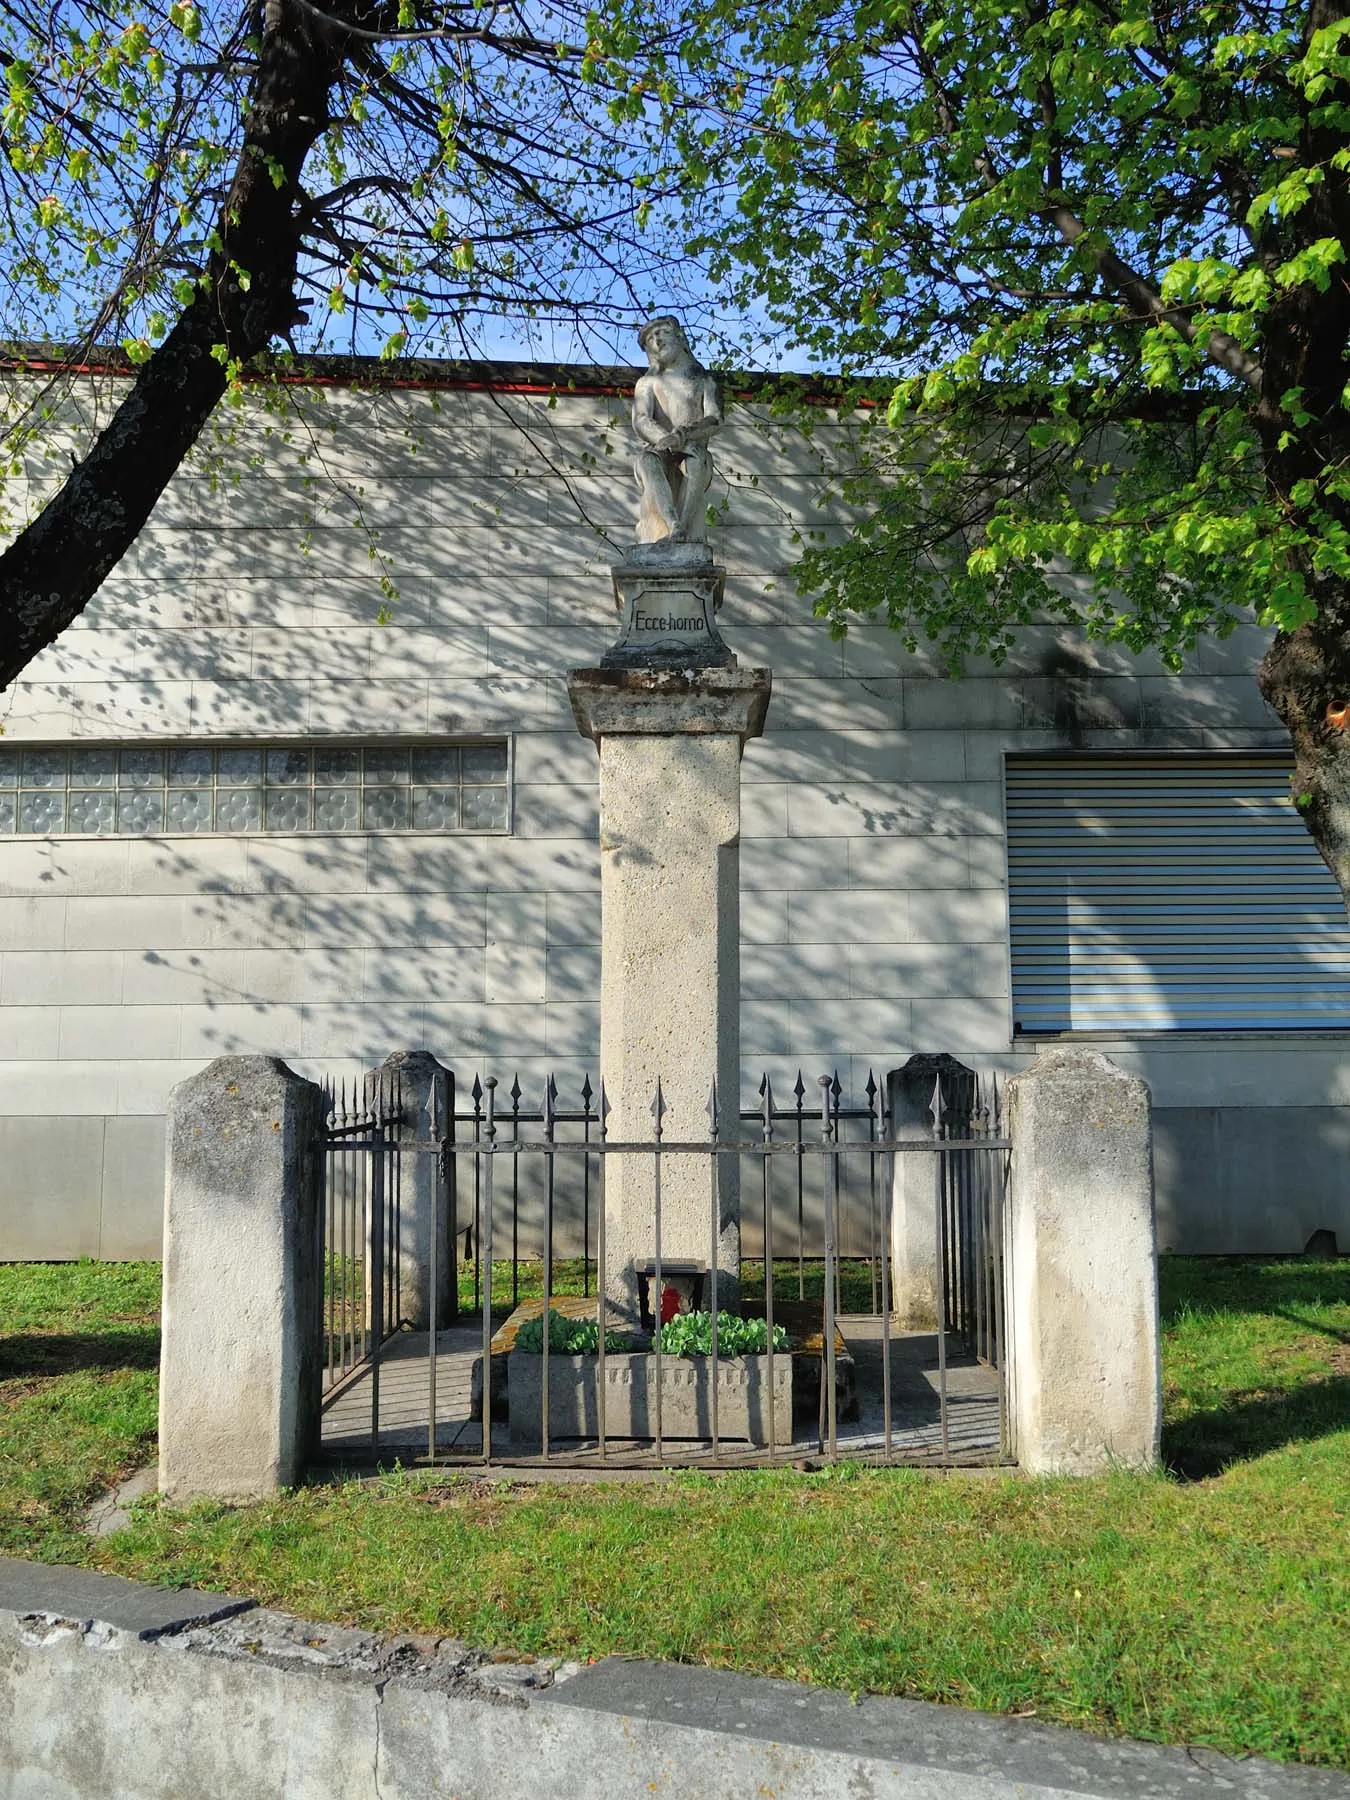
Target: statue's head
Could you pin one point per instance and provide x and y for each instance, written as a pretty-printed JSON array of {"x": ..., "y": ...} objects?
[{"x": 669, "y": 327}]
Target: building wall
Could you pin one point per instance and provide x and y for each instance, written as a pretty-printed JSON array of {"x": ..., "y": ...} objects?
[{"x": 874, "y": 908}]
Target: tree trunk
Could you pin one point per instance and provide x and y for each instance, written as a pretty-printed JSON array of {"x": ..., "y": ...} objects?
[
  {"x": 54, "y": 567},
  {"x": 1305, "y": 676}
]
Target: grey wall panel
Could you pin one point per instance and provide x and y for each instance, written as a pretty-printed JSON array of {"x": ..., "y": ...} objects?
[
  {"x": 1252, "y": 1179},
  {"x": 132, "y": 1210},
  {"x": 51, "y": 1177},
  {"x": 1231, "y": 1181}
]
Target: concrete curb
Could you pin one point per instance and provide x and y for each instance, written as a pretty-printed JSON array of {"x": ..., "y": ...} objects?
[
  {"x": 114, "y": 1691},
  {"x": 52, "y": 1590}
]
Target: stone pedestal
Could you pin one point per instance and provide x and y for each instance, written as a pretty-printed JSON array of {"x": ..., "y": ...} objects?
[
  {"x": 668, "y": 597},
  {"x": 915, "y": 1287},
  {"x": 670, "y": 743},
  {"x": 745, "y": 1398},
  {"x": 241, "y": 1362},
  {"x": 1082, "y": 1268},
  {"x": 415, "y": 1082}
]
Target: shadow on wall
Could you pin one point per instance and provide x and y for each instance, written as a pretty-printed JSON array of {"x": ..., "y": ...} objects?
[{"x": 349, "y": 947}]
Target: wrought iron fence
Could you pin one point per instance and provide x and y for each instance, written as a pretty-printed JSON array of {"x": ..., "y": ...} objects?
[
  {"x": 969, "y": 1202},
  {"x": 454, "y": 1391},
  {"x": 573, "y": 1203},
  {"x": 362, "y": 1214}
]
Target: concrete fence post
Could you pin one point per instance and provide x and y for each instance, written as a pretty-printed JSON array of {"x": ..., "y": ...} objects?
[
  {"x": 913, "y": 1247},
  {"x": 241, "y": 1362},
  {"x": 411, "y": 1076},
  {"x": 1083, "y": 1268}
]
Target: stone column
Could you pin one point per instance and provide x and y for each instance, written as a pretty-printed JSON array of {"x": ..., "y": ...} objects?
[
  {"x": 407, "y": 1078},
  {"x": 670, "y": 743},
  {"x": 241, "y": 1362},
  {"x": 1082, "y": 1268},
  {"x": 914, "y": 1256}
]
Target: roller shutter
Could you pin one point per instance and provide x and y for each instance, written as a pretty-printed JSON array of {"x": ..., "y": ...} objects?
[{"x": 1169, "y": 893}]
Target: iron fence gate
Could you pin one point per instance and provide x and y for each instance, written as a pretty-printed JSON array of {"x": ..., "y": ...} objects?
[
  {"x": 362, "y": 1213},
  {"x": 517, "y": 1222}
]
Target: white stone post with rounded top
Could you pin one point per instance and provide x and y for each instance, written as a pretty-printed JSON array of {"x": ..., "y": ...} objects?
[
  {"x": 416, "y": 1084},
  {"x": 916, "y": 1285},
  {"x": 1086, "y": 1383},
  {"x": 241, "y": 1364}
]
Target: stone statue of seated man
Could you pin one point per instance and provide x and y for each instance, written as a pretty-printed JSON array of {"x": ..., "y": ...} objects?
[{"x": 676, "y": 410}]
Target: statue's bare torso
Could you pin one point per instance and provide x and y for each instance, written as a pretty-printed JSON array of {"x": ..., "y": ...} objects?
[{"x": 676, "y": 410}]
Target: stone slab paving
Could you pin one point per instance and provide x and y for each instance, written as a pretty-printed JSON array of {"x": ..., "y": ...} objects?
[{"x": 404, "y": 1395}]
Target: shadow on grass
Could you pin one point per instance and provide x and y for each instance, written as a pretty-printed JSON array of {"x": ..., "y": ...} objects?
[
  {"x": 28, "y": 1354},
  {"x": 1333, "y": 1332},
  {"x": 1207, "y": 1443},
  {"x": 1243, "y": 1284}
]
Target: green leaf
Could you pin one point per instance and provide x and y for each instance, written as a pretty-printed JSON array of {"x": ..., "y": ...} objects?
[
  {"x": 690, "y": 1334},
  {"x": 567, "y": 1336}
]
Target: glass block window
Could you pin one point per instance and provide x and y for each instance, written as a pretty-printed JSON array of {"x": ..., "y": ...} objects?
[{"x": 179, "y": 789}]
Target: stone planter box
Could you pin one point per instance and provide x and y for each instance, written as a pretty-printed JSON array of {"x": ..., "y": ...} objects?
[{"x": 743, "y": 1398}]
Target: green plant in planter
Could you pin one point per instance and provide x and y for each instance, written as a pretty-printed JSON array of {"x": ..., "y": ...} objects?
[
  {"x": 690, "y": 1334},
  {"x": 567, "y": 1337}
]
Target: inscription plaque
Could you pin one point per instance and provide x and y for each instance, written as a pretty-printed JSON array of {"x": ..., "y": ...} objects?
[{"x": 668, "y": 617}]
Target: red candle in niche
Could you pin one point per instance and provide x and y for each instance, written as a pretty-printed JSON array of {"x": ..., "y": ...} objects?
[{"x": 670, "y": 1302}]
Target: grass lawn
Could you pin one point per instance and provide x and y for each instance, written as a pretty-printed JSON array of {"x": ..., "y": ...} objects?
[
  {"x": 79, "y": 1379},
  {"x": 1206, "y": 1606},
  {"x": 571, "y": 1276}
]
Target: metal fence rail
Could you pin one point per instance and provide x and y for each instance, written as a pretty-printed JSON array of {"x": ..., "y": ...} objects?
[
  {"x": 573, "y": 1215},
  {"x": 448, "y": 1390}
]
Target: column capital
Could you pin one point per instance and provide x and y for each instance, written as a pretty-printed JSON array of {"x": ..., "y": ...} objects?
[{"x": 669, "y": 702}]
